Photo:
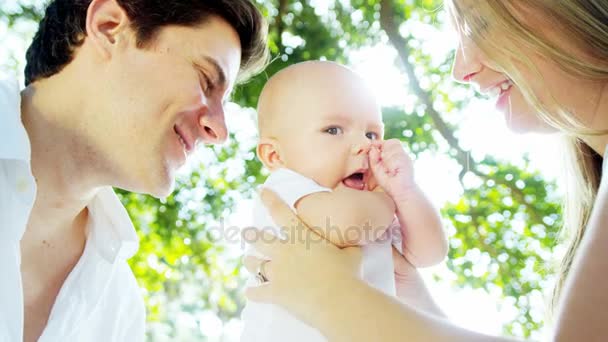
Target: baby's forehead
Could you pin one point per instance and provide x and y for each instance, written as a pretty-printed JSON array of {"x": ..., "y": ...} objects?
[
  {"x": 335, "y": 115},
  {"x": 320, "y": 91}
]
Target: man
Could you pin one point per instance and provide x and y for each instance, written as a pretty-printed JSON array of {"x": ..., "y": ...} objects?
[{"x": 119, "y": 93}]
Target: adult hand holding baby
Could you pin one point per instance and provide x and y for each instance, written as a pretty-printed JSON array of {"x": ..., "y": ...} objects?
[
  {"x": 295, "y": 268},
  {"x": 302, "y": 263}
]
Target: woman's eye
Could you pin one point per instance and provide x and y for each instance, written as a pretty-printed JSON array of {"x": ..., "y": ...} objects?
[
  {"x": 371, "y": 135},
  {"x": 334, "y": 130}
]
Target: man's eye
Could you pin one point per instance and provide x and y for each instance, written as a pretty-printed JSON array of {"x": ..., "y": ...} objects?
[
  {"x": 334, "y": 130},
  {"x": 371, "y": 135},
  {"x": 205, "y": 83}
]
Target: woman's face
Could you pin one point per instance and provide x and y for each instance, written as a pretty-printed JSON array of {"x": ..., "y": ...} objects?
[{"x": 577, "y": 95}]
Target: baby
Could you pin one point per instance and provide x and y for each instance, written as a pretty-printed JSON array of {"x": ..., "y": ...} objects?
[{"x": 321, "y": 136}]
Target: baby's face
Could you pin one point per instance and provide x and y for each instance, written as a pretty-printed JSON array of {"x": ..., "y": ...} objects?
[{"x": 329, "y": 132}]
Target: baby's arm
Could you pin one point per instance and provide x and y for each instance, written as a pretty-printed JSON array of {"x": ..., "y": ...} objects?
[
  {"x": 424, "y": 241},
  {"x": 347, "y": 217}
]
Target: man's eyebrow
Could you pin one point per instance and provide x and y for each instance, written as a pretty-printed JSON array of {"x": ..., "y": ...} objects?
[{"x": 218, "y": 69}]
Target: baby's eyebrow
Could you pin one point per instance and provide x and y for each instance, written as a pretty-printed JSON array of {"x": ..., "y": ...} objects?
[
  {"x": 378, "y": 126},
  {"x": 337, "y": 117}
]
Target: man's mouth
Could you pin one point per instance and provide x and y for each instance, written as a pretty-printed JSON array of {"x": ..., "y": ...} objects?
[
  {"x": 182, "y": 139},
  {"x": 357, "y": 180}
]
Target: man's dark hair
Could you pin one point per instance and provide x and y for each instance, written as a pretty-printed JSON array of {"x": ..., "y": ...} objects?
[{"x": 63, "y": 29}]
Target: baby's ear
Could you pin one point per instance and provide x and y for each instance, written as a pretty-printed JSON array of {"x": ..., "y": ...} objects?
[{"x": 269, "y": 153}]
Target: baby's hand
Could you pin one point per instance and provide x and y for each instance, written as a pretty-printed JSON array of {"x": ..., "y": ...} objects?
[{"x": 392, "y": 168}]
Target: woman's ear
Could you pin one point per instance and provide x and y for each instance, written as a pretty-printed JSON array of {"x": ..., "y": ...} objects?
[
  {"x": 106, "y": 24},
  {"x": 268, "y": 151}
]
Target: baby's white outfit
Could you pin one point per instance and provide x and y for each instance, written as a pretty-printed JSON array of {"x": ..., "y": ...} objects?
[{"x": 271, "y": 323}]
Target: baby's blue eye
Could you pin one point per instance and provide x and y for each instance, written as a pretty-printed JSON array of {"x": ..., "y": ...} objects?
[
  {"x": 333, "y": 130},
  {"x": 371, "y": 135}
]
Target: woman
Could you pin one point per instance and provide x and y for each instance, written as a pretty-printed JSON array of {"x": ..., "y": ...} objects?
[{"x": 548, "y": 63}]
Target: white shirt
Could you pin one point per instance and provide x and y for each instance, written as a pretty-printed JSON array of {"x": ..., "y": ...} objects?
[
  {"x": 271, "y": 323},
  {"x": 100, "y": 299}
]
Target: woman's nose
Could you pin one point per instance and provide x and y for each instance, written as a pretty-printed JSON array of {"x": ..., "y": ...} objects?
[{"x": 467, "y": 62}]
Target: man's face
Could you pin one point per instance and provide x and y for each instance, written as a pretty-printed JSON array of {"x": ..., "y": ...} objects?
[{"x": 156, "y": 104}]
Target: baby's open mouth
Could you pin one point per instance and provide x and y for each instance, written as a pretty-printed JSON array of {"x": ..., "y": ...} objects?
[{"x": 355, "y": 181}]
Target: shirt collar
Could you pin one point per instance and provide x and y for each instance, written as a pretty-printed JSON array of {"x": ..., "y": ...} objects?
[
  {"x": 111, "y": 228},
  {"x": 16, "y": 144}
]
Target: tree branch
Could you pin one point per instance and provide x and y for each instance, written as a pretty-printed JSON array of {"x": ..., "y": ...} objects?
[
  {"x": 387, "y": 23},
  {"x": 280, "y": 24}
]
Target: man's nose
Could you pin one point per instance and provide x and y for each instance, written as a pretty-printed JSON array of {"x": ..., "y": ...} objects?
[{"x": 212, "y": 126}]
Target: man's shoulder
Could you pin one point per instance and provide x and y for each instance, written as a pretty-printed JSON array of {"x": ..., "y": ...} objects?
[
  {"x": 123, "y": 293},
  {"x": 125, "y": 284},
  {"x": 121, "y": 311}
]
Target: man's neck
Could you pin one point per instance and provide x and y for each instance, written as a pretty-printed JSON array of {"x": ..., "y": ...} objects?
[{"x": 66, "y": 181}]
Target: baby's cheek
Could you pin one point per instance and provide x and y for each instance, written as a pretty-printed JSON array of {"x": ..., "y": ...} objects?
[{"x": 325, "y": 177}]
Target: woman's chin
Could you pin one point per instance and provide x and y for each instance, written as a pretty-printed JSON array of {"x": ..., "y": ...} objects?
[{"x": 528, "y": 123}]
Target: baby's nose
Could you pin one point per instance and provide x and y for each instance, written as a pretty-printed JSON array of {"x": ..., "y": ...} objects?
[{"x": 361, "y": 149}]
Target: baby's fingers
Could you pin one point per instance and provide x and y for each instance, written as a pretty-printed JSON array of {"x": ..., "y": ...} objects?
[{"x": 375, "y": 158}]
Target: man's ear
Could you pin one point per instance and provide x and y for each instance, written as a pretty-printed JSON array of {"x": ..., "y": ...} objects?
[
  {"x": 107, "y": 23},
  {"x": 269, "y": 153}
]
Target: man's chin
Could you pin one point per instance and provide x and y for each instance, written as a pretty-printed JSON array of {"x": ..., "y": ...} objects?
[
  {"x": 163, "y": 191},
  {"x": 160, "y": 187}
]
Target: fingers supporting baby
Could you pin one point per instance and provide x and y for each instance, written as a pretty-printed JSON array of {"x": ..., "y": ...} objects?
[
  {"x": 252, "y": 264},
  {"x": 298, "y": 251},
  {"x": 265, "y": 243},
  {"x": 262, "y": 293}
]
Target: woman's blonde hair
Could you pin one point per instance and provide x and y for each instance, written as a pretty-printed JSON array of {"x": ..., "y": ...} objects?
[{"x": 499, "y": 30}]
